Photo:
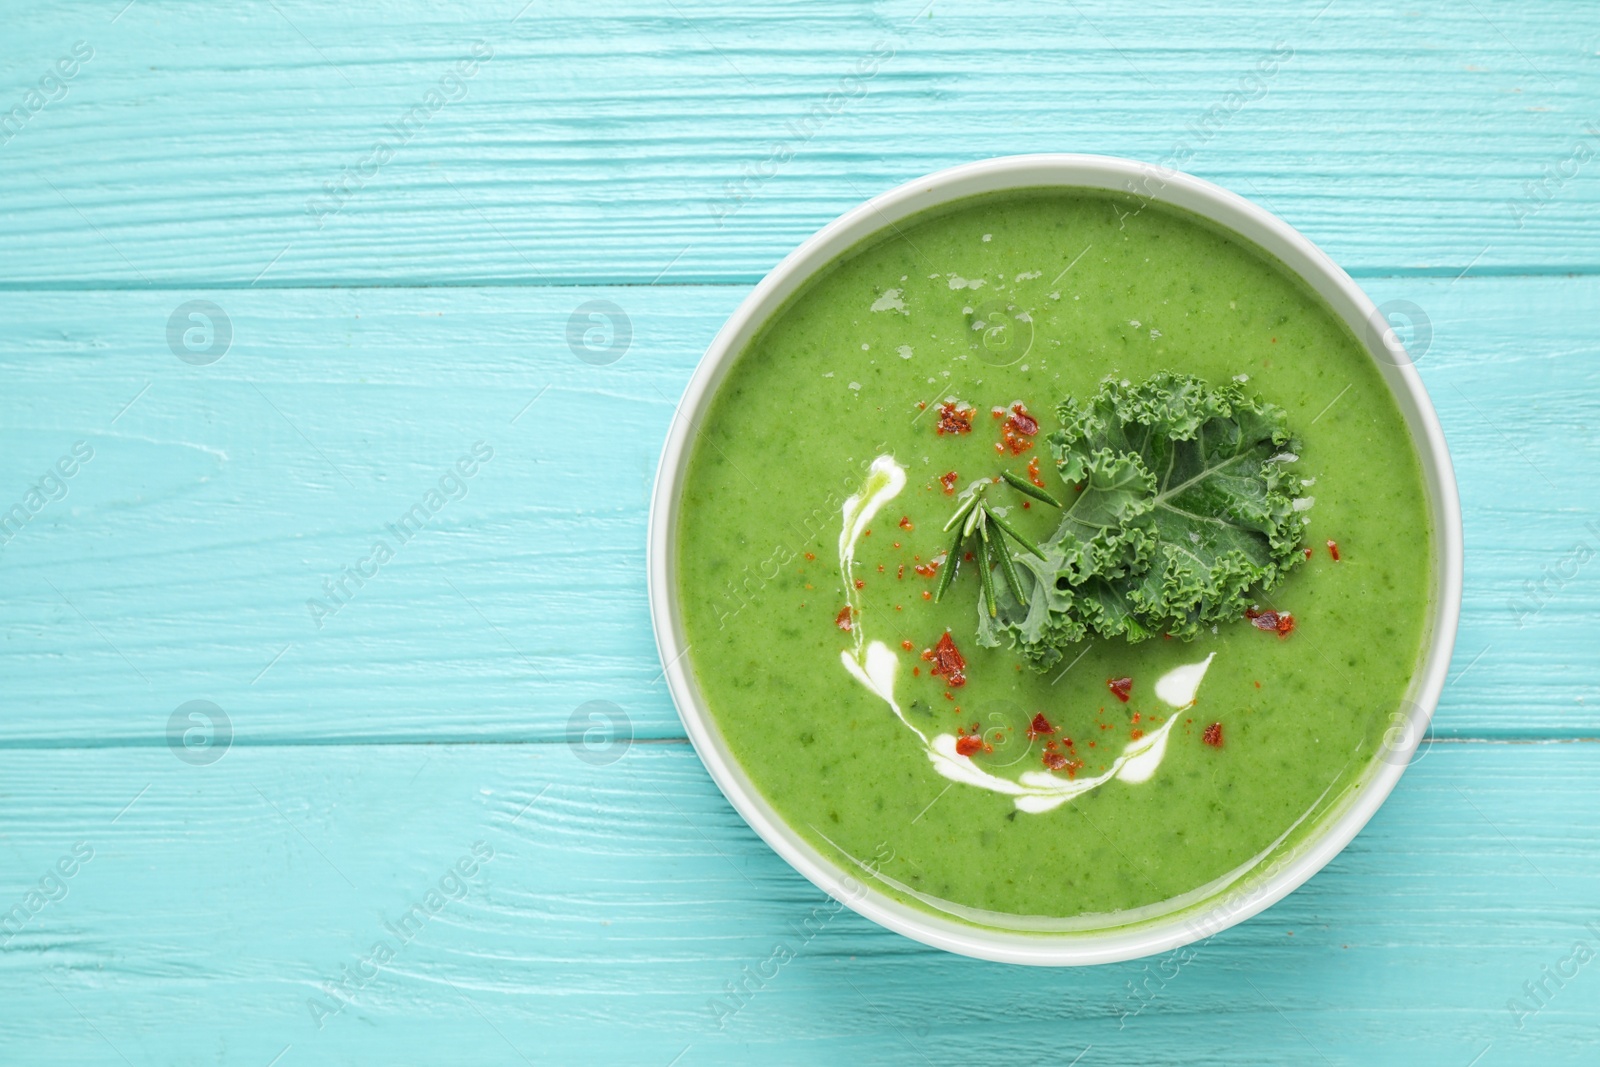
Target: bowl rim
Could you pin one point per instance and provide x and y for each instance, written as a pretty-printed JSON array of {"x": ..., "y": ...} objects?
[{"x": 1238, "y": 216}]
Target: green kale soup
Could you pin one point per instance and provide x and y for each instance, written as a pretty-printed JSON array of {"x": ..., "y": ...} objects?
[{"x": 1055, "y": 560}]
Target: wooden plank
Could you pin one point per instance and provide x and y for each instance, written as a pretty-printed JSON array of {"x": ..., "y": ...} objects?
[
  {"x": 180, "y": 564},
  {"x": 622, "y": 900},
  {"x": 619, "y": 142}
]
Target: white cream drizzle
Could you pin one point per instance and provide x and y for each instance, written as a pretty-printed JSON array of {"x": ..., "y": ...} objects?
[{"x": 875, "y": 665}]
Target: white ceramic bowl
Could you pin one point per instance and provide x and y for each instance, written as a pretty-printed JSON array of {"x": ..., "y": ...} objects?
[{"x": 1254, "y": 891}]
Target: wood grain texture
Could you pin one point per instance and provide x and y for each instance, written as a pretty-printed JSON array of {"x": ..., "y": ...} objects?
[
  {"x": 621, "y": 899},
  {"x": 180, "y": 564},
  {"x": 615, "y": 142},
  {"x": 662, "y": 157}
]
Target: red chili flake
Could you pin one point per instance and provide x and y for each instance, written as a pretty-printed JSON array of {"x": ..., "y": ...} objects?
[
  {"x": 969, "y": 743},
  {"x": 1019, "y": 427},
  {"x": 1057, "y": 762},
  {"x": 810, "y": 556},
  {"x": 906, "y": 645},
  {"x": 905, "y": 523},
  {"x": 1135, "y": 735},
  {"x": 922, "y": 405},
  {"x": 1308, "y": 552},
  {"x": 1136, "y": 716},
  {"x": 1121, "y": 687},
  {"x": 1278, "y": 622},
  {"x": 928, "y": 569},
  {"x": 1213, "y": 735},
  {"x": 880, "y": 568},
  {"x": 966, "y": 557},
  {"x": 900, "y": 572},
  {"x": 1258, "y": 685},
  {"x": 1033, "y": 472},
  {"x": 861, "y": 583},
  {"x": 926, "y": 595},
  {"x": 916, "y": 672},
  {"x": 897, "y": 544},
  {"x": 947, "y": 660},
  {"x": 954, "y": 417},
  {"x": 998, "y": 413},
  {"x": 1039, "y": 727},
  {"x": 1333, "y": 550},
  {"x": 948, "y": 480},
  {"x": 866, "y": 533},
  {"x": 845, "y": 620}
]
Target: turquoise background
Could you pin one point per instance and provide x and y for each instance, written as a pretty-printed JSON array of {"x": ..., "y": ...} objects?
[{"x": 397, "y": 276}]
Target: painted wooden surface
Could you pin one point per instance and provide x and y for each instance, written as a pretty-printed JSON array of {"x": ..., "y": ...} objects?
[{"x": 661, "y": 158}]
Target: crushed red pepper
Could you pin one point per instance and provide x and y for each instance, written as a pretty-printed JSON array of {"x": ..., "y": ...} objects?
[
  {"x": 1021, "y": 421},
  {"x": 845, "y": 620},
  {"x": 1039, "y": 727},
  {"x": 861, "y": 583},
  {"x": 1121, "y": 687},
  {"x": 1033, "y": 472},
  {"x": 1213, "y": 735},
  {"x": 1057, "y": 762},
  {"x": 905, "y": 523},
  {"x": 1019, "y": 428},
  {"x": 970, "y": 744},
  {"x": 1278, "y": 622},
  {"x": 954, "y": 417},
  {"x": 928, "y": 569},
  {"x": 947, "y": 660},
  {"x": 1333, "y": 550},
  {"x": 906, "y": 645},
  {"x": 948, "y": 480}
]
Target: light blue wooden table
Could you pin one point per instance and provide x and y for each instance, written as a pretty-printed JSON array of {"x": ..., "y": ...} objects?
[{"x": 393, "y": 216}]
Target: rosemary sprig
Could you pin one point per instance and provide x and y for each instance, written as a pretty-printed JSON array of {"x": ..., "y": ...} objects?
[
  {"x": 975, "y": 515},
  {"x": 986, "y": 552},
  {"x": 1009, "y": 569},
  {"x": 950, "y": 559},
  {"x": 1016, "y": 535},
  {"x": 1022, "y": 485}
]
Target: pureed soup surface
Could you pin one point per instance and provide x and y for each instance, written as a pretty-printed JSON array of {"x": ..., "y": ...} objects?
[{"x": 1069, "y": 287}]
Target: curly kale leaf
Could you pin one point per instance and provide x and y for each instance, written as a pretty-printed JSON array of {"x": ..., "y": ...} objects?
[{"x": 1181, "y": 508}]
